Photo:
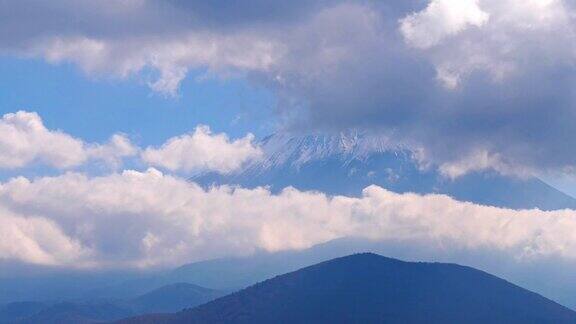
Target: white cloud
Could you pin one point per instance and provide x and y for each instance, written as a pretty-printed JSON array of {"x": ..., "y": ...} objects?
[
  {"x": 509, "y": 36},
  {"x": 36, "y": 240},
  {"x": 171, "y": 57},
  {"x": 482, "y": 160},
  {"x": 203, "y": 151},
  {"x": 442, "y": 18},
  {"x": 25, "y": 140},
  {"x": 112, "y": 153},
  {"x": 175, "y": 46},
  {"x": 149, "y": 219}
]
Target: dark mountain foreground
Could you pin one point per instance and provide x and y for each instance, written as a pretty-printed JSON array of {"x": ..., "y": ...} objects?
[
  {"x": 557, "y": 282},
  {"x": 368, "y": 288}
]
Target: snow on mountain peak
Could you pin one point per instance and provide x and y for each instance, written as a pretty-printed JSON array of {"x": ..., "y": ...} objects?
[{"x": 288, "y": 149}]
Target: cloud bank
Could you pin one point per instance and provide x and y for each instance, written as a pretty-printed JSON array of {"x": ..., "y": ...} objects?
[{"x": 147, "y": 219}]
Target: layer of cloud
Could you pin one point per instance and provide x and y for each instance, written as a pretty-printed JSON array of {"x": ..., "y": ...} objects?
[
  {"x": 450, "y": 77},
  {"x": 203, "y": 151},
  {"x": 149, "y": 219},
  {"x": 25, "y": 140}
]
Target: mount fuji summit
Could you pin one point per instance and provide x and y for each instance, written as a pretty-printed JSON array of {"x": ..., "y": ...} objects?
[{"x": 346, "y": 163}]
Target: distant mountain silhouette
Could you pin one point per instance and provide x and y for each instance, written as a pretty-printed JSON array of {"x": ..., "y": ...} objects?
[
  {"x": 170, "y": 298},
  {"x": 556, "y": 281},
  {"x": 174, "y": 297},
  {"x": 368, "y": 288},
  {"x": 345, "y": 163},
  {"x": 16, "y": 311},
  {"x": 73, "y": 313}
]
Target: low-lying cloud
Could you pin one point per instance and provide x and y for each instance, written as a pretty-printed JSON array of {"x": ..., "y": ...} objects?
[{"x": 147, "y": 219}]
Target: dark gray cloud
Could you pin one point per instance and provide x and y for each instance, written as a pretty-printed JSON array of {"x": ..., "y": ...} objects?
[{"x": 498, "y": 95}]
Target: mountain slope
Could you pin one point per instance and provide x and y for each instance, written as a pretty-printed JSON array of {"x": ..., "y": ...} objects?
[
  {"x": 16, "y": 311},
  {"x": 346, "y": 163},
  {"x": 557, "y": 282},
  {"x": 170, "y": 298},
  {"x": 368, "y": 288},
  {"x": 68, "y": 312},
  {"x": 174, "y": 297}
]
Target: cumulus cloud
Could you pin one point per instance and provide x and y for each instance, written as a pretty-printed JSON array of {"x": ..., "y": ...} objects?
[
  {"x": 442, "y": 18},
  {"x": 511, "y": 36},
  {"x": 114, "y": 151},
  {"x": 203, "y": 151},
  {"x": 451, "y": 78},
  {"x": 160, "y": 219},
  {"x": 25, "y": 140},
  {"x": 36, "y": 240}
]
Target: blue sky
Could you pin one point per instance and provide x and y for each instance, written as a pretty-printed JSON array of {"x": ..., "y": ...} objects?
[{"x": 93, "y": 108}]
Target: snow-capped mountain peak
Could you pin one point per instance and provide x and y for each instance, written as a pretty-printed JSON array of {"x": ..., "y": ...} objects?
[
  {"x": 285, "y": 149},
  {"x": 346, "y": 163}
]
